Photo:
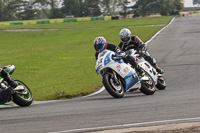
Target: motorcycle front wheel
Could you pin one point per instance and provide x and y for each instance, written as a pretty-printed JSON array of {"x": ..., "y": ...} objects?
[
  {"x": 161, "y": 85},
  {"x": 148, "y": 86},
  {"x": 23, "y": 98},
  {"x": 113, "y": 88}
]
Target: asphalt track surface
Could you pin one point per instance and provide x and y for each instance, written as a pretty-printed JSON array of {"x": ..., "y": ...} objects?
[{"x": 177, "y": 51}]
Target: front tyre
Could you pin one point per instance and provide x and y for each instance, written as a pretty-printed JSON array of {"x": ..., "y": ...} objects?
[
  {"x": 113, "y": 88},
  {"x": 161, "y": 84},
  {"x": 148, "y": 86},
  {"x": 24, "y": 97}
]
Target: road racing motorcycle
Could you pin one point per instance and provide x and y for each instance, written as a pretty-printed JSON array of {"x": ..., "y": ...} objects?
[
  {"x": 158, "y": 79},
  {"x": 20, "y": 95},
  {"x": 119, "y": 77}
]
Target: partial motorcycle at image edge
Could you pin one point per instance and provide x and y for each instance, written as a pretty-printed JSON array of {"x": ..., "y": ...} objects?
[
  {"x": 119, "y": 77},
  {"x": 20, "y": 94}
]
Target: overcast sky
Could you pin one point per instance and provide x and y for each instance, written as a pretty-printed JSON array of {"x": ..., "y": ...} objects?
[{"x": 188, "y": 3}]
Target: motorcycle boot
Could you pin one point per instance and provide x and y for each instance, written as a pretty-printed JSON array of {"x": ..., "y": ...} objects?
[
  {"x": 131, "y": 60},
  {"x": 158, "y": 69},
  {"x": 152, "y": 61},
  {"x": 139, "y": 69}
]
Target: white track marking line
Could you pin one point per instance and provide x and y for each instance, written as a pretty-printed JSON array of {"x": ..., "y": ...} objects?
[
  {"x": 97, "y": 92},
  {"x": 160, "y": 31},
  {"x": 127, "y": 125}
]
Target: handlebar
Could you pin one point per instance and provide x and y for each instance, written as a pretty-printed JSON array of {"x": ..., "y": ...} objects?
[{"x": 115, "y": 57}]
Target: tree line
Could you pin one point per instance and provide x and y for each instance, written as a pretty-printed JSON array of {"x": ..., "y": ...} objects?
[
  {"x": 43, "y": 9},
  {"x": 196, "y": 2},
  {"x": 164, "y": 7}
]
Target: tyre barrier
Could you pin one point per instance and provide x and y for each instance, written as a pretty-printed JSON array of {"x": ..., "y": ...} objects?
[
  {"x": 43, "y": 22},
  {"x": 61, "y": 20},
  {"x": 115, "y": 18},
  {"x": 70, "y": 20},
  {"x": 84, "y": 19},
  {"x": 16, "y": 23},
  {"x": 97, "y": 18}
]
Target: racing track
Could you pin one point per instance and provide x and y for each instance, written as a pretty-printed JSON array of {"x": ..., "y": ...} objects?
[{"x": 177, "y": 50}]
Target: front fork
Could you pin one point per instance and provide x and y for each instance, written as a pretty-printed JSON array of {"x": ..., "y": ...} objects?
[{"x": 114, "y": 76}]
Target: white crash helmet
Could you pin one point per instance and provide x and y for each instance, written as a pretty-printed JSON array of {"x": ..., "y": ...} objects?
[{"x": 125, "y": 35}]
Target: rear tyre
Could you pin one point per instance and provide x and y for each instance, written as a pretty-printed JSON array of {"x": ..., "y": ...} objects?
[
  {"x": 114, "y": 89},
  {"x": 22, "y": 98}
]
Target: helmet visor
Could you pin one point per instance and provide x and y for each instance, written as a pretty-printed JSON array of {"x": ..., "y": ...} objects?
[
  {"x": 98, "y": 46},
  {"x": 126, "y": 39}
]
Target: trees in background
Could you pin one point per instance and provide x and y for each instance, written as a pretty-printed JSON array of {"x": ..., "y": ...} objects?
[
  {"x": 196, "y": 2},
  {"x": 71, "y": 7},
  {"x": 93, "y": 8},
  {"x": 123, "y": 4},
  {"x": 43, "y": 9},
  {"x": 106, "y": 6},
  {"x": 28, "y": 9},
  {"x": 15, "y": 9},
  {"x": 81, "y": 8},
  {"x": 164, "y": 7},
  {"x": 114, "y": 7}
]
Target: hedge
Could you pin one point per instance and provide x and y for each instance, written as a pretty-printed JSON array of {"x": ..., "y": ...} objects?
[{"x": 43, "y": 22}]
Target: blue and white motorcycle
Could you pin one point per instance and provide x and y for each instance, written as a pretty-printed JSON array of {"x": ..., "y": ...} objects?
[{"x": 119, "y": 77}]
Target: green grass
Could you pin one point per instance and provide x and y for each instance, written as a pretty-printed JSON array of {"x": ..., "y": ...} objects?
[{"x": 60, "y": 64}]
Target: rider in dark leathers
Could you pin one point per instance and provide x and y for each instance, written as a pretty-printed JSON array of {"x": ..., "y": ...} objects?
[
  {"x": 129, "y": 41},
  {"x": 101, "y": 44}
]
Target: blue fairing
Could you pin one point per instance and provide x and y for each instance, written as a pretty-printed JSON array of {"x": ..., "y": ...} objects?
[
  {"x": 109, "y": 58},
  {"x": 130, "y": 81}
]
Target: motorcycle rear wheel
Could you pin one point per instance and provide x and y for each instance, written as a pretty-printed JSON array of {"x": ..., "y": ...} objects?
[
  {"x": 23, "y": 100},
  {"x": 117, "y": 91}
]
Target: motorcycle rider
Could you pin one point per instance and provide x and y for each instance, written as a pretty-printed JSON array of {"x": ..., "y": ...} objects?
[
  {"x": 101, "y": 44},
  {"x": 129, "y": 41},
  {"x": 5, "y": 94}
]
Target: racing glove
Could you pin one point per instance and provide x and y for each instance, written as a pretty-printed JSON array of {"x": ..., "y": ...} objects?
[
  {"x": 143, "y": 49},
  {"x": 120, "y": 54}
]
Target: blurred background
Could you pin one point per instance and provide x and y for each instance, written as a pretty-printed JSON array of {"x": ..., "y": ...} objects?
[{"x": 11, "y": 10}]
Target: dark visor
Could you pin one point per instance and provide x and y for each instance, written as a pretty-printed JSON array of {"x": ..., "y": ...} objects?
[
  {"x": 125, "y": 39},
  {"x": 98, "y": 46}
]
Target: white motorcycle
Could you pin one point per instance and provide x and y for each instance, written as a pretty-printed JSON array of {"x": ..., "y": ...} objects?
[
  {"x": 119, "y": 77},
  {"x": 158, "y": 79}
]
